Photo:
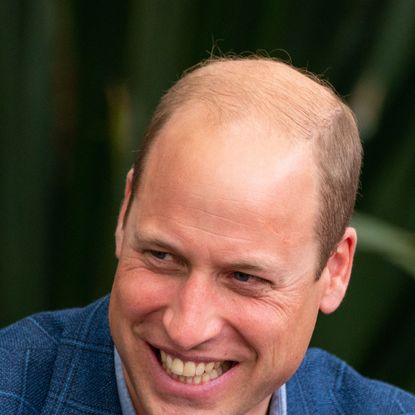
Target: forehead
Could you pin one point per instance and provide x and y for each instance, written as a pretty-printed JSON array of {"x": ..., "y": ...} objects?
[
  {"x": 199, "y": 140},
  {"x": 240, "y": 166},
  {"x": 243, "y": 153}
]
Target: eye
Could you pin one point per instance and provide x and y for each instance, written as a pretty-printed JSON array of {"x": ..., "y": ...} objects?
[
  {"x": 162, "y": 260},
  {"x": 249, "y": 279},
  {"x": 242, "y": 276},
  {"x": 159, "y": 255},
  {"x": 247, "y": 284}
]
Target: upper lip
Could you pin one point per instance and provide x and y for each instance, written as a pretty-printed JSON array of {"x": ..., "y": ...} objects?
[{"x": 189, "y": 356}]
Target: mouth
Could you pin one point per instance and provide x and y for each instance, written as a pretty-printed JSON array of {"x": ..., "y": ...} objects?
[{"x": 192, "y": 372}]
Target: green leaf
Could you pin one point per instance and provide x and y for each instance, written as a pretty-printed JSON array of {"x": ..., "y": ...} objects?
[{"x": 394, "y": 243}]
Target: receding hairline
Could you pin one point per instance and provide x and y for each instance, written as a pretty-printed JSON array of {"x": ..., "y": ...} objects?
[
  {"x": 295, "y": 100},
  {"x": 228, "y": 85}
]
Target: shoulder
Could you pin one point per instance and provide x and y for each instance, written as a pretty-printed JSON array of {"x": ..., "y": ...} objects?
[
  {"x": 39, "y": 351},
  {"x": 325, "y": 384},
  {"x": 45, "y": 331}
]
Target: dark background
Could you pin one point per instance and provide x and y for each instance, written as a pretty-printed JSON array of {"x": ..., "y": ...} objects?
[{"x": 78, "y": 81}]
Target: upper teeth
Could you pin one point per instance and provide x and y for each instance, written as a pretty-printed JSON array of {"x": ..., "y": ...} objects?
[{"x": 191, "y": 372}]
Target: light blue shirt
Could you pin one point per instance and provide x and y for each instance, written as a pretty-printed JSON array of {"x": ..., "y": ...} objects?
[{"x": 278, "y": 404}]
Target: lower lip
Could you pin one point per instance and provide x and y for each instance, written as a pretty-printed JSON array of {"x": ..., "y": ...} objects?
[{"x": 166, "y": 384}]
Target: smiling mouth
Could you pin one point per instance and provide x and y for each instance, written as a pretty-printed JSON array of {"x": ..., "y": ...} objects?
[{"x": 190, "y": 372}]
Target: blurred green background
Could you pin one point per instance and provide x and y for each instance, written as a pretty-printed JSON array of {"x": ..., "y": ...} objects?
[{"x": 78, "y": 82}]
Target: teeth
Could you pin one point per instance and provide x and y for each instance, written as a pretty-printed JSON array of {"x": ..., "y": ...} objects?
[
  {"x": 209, "y": 367},
  {"x": 189, "y": 369},
  {"x": 177, "y": 367},
  {"x": 200, "y": 369},
  {"x": 213, "y": 374},
  {"x": 191, "y": 372}
]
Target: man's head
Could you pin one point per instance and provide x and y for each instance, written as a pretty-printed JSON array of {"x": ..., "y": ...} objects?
[{"x": 219, "y": 238}]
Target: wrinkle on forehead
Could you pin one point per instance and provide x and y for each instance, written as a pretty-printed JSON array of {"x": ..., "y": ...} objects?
[{"x": 210, "y": 230}]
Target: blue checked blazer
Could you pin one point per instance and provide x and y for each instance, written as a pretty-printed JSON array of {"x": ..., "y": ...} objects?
[{"x": 63, "y": 363}]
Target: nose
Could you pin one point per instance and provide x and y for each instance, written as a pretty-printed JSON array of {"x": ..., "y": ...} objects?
[{"x": 193, "y": 316}]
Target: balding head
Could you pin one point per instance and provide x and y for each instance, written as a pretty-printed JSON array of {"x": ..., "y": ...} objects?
[{"x": 296, "y": 105}]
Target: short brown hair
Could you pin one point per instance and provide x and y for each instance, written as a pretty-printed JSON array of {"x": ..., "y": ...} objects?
[{"x": 300, "y": 104}]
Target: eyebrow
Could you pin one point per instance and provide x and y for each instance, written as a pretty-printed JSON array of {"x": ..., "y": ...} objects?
[
  {"x": 140, "y": 238},
  {"x": 253, "y": 265}
]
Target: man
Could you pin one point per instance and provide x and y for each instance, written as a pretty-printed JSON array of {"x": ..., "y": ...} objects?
[{"x": 232, "y": 236}]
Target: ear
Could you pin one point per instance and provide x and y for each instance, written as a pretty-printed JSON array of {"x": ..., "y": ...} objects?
[
  {"x": 337, "y": 272},
  {"x": 119, "y": 231}
]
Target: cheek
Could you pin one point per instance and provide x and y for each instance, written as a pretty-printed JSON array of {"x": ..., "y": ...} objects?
[
  {"x": 285, "y": 331},
  {"x": 300, "y": 327},
  {"x": 262, "y": 324},
  {"x": 139, "y": 292}
]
